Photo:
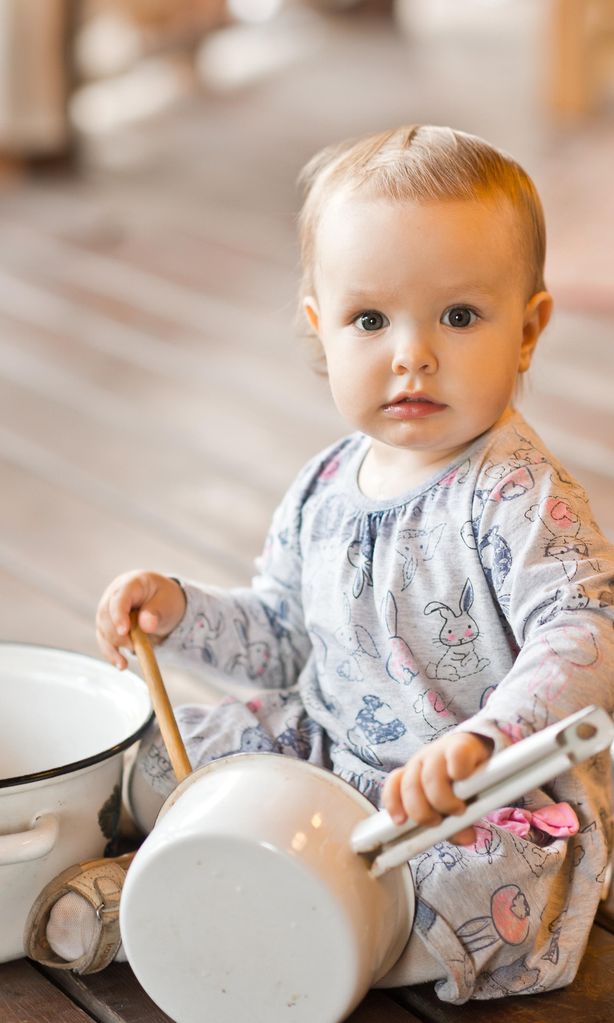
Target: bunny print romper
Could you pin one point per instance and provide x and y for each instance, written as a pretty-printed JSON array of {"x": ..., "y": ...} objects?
[{"x": 481, "y": 601}]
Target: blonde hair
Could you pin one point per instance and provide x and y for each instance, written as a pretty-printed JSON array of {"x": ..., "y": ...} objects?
[{"x": 422, "y": 163}]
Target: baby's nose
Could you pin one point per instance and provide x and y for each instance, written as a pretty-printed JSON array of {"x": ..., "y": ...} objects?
[{"x": 413, "y": 354}]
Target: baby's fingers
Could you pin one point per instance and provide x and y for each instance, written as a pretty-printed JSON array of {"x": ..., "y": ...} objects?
[
  {"x": 110, "y": 650},
  {"x": 391, "y": 796},
  {"x": 404, "y": 796},
  {"x": 113, "y": 617},
  {"x": 418, "y": 808},
  {"x": 122, "y": 601},
  {"x": 466, "y": 752},
  {"x": 437, "y": 786}
]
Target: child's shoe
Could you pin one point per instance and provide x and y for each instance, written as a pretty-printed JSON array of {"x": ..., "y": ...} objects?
[{"x": 74, "y": 923}]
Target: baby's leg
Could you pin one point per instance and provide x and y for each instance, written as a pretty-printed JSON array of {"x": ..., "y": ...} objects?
[
  {"x": 273, "y": 723},
  {"x": 416, "y": 965},
  {"x": 504, "y": 916}
]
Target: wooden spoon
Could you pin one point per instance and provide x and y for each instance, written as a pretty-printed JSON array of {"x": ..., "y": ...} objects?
[{"x": 159, "y": 697}]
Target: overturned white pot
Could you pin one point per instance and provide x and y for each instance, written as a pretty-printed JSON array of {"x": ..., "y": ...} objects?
[{"x": 247, "y": 902}]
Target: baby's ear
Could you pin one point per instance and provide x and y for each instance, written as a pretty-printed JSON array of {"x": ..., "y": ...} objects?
[
  {"x": 536, "y": 317},
  {"x": 312, "y": 313}
]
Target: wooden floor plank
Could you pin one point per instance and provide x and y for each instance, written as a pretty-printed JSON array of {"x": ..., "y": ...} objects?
[
  {"x": 31, "y": 615},
  {"x": 379, "y": 1007},
  {"x": 28, "y": 997},
  {"x": 226, "y": 273},
  {"x": 111, "y": 996},
  {"x": 605, "y": 919},
  {"x": 97, "y": 217},
  {"x": 183, "y": 357},
  {"x": 148, "y": 285},
  {"x": 161, "y": 412},
  {"x": 84, "y": 545},
  {"x": 162, "y": 489},
  {"x": 94, "y": 498},
  {"x": 218, "y": 389},
  {"x": 114, "y": 996}
]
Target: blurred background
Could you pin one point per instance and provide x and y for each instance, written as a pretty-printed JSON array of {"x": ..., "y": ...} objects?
[{"x": 156, "y": 395}]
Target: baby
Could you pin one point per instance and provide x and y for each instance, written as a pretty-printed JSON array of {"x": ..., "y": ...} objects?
[{"x": 432, "y": 586}]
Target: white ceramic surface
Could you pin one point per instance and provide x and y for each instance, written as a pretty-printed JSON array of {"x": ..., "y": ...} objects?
[
  {"x": 246, "y": 901},
  {"x": 65, "y": 720}
]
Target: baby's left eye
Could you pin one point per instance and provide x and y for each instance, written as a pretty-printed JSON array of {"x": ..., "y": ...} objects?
[
  {"x": 371, "y": 320},
  {"x": 459, "y": 316}
]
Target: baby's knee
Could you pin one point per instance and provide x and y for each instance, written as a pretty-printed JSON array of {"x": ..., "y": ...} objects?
[
  {"x": 150, "y": 776},
  {"x": 150, "y": 779}
]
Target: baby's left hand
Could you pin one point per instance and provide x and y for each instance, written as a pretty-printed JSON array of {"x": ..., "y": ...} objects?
[{"x": 422, "y": 790}]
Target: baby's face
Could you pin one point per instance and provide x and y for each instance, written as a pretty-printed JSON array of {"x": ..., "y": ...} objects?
[{"x": 423, "y": 316}]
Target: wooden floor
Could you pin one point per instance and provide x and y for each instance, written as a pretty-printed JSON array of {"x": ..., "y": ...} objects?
[{"x": 29, "y": 995}]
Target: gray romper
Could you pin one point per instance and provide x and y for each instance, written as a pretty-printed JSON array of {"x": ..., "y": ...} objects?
[{"x": 482, "y": 600}]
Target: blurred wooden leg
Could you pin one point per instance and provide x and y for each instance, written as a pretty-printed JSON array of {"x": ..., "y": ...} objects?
[
  {"x": 35, "y": 62},
  {"x": 568, "y": 84}
]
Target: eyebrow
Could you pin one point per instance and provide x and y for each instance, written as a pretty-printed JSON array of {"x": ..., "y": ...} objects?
[
  {"x": 469, "y": 286},
  {"x": 359, "y": 294}
]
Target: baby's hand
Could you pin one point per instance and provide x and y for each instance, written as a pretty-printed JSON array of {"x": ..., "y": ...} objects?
[
  {"x": 160, "y": 603},
  {"x": 422, "y": 790}
]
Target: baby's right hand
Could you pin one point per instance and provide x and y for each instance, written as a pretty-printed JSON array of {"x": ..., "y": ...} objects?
[{"x": 160, "y": 603}]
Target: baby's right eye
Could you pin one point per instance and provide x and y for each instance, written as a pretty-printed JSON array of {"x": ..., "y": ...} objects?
[{"x": 371, "y": 320}]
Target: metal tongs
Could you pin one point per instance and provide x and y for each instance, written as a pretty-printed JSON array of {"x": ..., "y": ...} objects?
[{"x": 521, "y": 767}]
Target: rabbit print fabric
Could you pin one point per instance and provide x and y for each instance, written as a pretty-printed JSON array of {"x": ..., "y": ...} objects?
[{"x": 480, "y": 601}]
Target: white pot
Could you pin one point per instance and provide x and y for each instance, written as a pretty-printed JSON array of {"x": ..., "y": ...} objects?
[
  {"x": 247, "y": 902},
  {"x": 65, "y": 720}
]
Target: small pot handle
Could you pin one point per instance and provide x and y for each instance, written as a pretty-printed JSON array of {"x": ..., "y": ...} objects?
[{"x": 32, "y": 844}]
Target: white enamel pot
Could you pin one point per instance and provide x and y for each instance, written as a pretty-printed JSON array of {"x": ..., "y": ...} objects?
[
  {"x": 246, "y": 901},
  {"x": 65, "y": 720}
]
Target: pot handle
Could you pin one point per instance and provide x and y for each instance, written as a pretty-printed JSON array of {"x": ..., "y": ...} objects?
[
  {"x": 32, "y": 844},
  {"x": 519, "y": 768}
]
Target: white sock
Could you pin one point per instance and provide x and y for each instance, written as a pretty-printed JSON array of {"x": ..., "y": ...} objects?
[{"x": 72, "y": 926}]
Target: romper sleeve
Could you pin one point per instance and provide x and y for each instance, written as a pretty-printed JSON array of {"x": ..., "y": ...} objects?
[
  {"x": 254, "y": 634},
  {"x": 553, "y": 585}
]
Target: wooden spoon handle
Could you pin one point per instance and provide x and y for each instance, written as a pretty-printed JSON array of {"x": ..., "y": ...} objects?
[{"x": 159, "y": 697}]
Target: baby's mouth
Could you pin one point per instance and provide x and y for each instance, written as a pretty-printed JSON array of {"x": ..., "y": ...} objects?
[{"x": 414, "y": 404}]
